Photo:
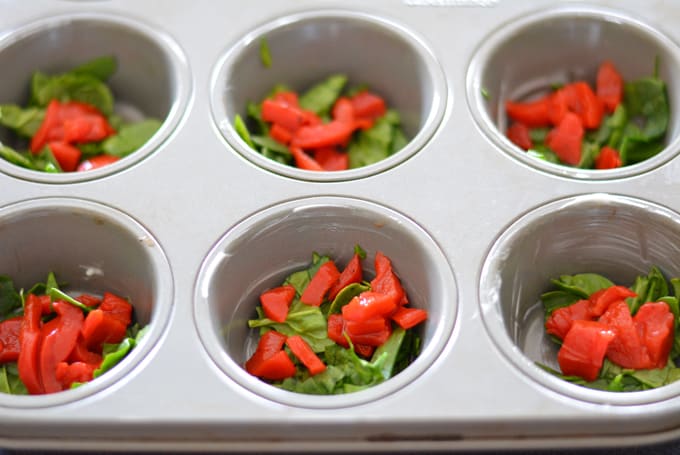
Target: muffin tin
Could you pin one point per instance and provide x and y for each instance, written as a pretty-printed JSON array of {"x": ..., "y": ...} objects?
[{"x": 195, "y": 224}]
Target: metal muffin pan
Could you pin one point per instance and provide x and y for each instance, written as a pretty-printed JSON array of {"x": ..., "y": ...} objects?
[{"x": 194, "y": 224}]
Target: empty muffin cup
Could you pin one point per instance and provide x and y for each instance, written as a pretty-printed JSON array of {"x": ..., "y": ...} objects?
[
  {"x": 92, "y": 249},
  {"x": 258, "y": 253},
  {"x": 151, "y": 79},
  {"x": 531, "y": 56},
  {"x": 307, "y": 48},
  {"x": 617, "y": 237}
]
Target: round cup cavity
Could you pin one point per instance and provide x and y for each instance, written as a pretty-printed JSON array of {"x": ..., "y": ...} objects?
[
  {"x": 152, "y": 78},
  {"x": 382, "y": 54},
  {"x": 262, "y": 250},
  {"x": 616, "y": 236},
  {"x": 525, "y": 57},
  {"x": 93, "y": 248}
]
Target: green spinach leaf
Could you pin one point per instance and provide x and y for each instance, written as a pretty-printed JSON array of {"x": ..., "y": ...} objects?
[
  {"x": 130, "y": 137},
  {"x": 321, "y": 97}
]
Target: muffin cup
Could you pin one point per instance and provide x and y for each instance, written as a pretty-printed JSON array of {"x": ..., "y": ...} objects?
[
  {"x": 93, "y": 248},
  {"x": 152, "y": 78},
  {"x": 615, "y": 236},
  {"x": 527, "y": 56},
  {"x": 261, "y": 251},
  {"x": 308, "y": 47}
]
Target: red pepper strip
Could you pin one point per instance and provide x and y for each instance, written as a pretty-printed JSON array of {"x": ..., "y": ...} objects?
[
  {"x": 67, "y": 374},
  {"x": 87, "y": 128},
  {"x": 51, "y": 120},
  {"x": 96, "y": 162},
  {"x": 304, "y": 161},
  {"x": 80, "y": 353},
  {"x": 102, "y": 327},
  {"x": 372, "y": 325},
  {"x": 28, "y": 365},
  {"x": 117, "y": 307},
  {"x": 560, "y": 320},
  {"x": 358, "y": 333},
  {"x": 320, "y": 284},
  {"x": 531, "y": 113},
  {"x": 275, "y": 302},
  {"x": 58, "y": 340},
  {"x": 584, "y": 348},
  {"x": 600, "y": 300},
  {"x": 368, "y": 105},
  {"x": 557, "y": 106},
  {"x": 627, "y": 349},
  {"x": 288, "y": 116},
  {"x": 336, "y": 328},
  {"x": 343, "y": 111},
  {"x": 565, "y": 139},
  {"x": 609, "y": 86},
  {"x": 582, "y": 101},
  {"x": 67, "y": 155},
  {"x": 10, "y": 346},
  {"x": 269, "y": 361},
  {"x": 608, "y": 158},
  {"x": 325, "y": 135},
  {"x": 331, "y": 159},
  {"x": 305, "y": 354},
  {"x": 287, "y": 97},
  {"x": 89, "y": 300},
  {"x": 518, "y": 133},
  {"x": 352, "y": 273},
  {"x": 369, "y": 305},
  {"x": 386, "y": 281},
  {"x": 280, "y": 134},
  {"x": 409, "y": 317},
  {"x": 654, "y": 322},
  {"x": 46, "y": 303},
  {"x": 364, "y": 350}
]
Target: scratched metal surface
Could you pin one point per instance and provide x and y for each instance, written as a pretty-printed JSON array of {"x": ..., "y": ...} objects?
[{"x": 472, "y": 212}]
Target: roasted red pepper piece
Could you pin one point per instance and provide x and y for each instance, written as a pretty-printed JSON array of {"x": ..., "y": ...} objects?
[
  {"x": 50, "y": 121},
  {"x": 320, "y": 284},
  {"x": 608, "y": 158},
  {"x": 364, "y": 350},
  {"x": 386, "y": 281},
  {"x": 66, "y": 155},
  {"x": 269, "y": 361},
  {"x": 102, "y": 327},
  {"x": 368, "y": 105},
  {"x": 288, "y": 116},
  {"x": 560, "y": 320},
  {"x": 336, "y": 329},
  {"x": 334, "y": 133},
  {"x": 654, "y": 322},
  {"x": 280, "y": 134},
  {"x": 81, "y": 353},
  {"x": 343, "y": 111},
  {"x": 276, "y": 302},
  {"x": 557, "y": 106},
  {"x": 304, "y": 161},
  {"x": 352, "y": 273},
  {"x": 600, "y": 300},
  {"x": 96, "y": 162},
  {"x": 584, "y": 348},
  {"x": 28, "y": 362},
  {"x": 59, "y": 337},
  {"x": 10, "y": 346},
  {"x": 627, "y": 348},
  {"x": 582, "y": 101},
  {"x": 409, "y": 317},
  {"x": 531, "y": 113},
  {"x": 369, "y": 305},
  {"x": 86, "y": 128},
  {"x": 518, "y": 133},
  {"x": 89, "y": 300},
  {"x": 331, "y": 159},
  {"x": 117, "y": 307},
  {"x": 299, "y": 347},
  {"x": 372, "y": 332},
  {"x": 609, "y": 86},
  {"x": 566, "y": 139},
  {"x": 67, "y": 373}
]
